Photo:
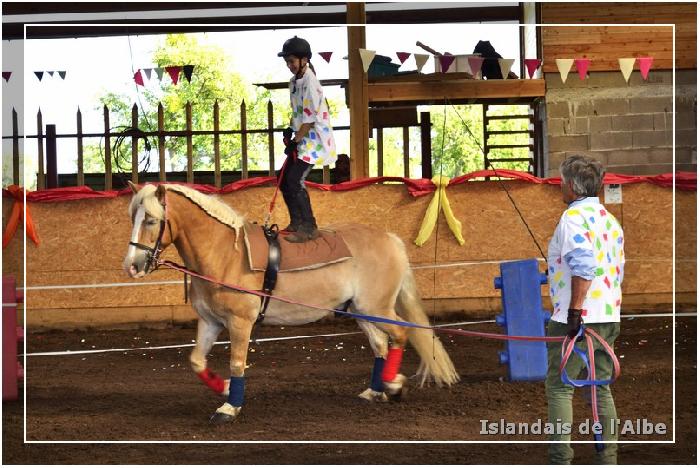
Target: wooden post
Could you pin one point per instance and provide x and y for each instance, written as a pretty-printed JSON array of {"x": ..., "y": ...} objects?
[
  {"x": 380, "y": 152},
  {"x": 51, "y": 157},
  {"x": 188, "y": 120},
  {"x": 426, "y": 151},
  {"x": 270, "y": 139},
  {"x": 406, "y": 158},
  {"x": 161, "y": 144},
  {"x": 244, "y": 143},
  {"x": 40, "y": 177},
  {"x": 217, "y": 147},
  {"x": 15, "y": 148},
  {"x": 485, "y": 120},
  {"x": 108, "y": 152},
  {"x": 81, "y": 171},
  {"x": 358, "y": 94},
  {"x": 134, "y": 145}
]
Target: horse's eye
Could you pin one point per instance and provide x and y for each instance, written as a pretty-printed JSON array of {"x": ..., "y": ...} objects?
[{"x": 152, "y": 222}]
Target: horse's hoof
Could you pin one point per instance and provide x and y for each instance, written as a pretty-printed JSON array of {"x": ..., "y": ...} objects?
[
  {"x": 224, "y": 414},
  {"x": 396, "y": 389},
  {"x": 400, "y": 395},
  {"x": 373, "y": 396},
  {"x": 221, "y": 418}
]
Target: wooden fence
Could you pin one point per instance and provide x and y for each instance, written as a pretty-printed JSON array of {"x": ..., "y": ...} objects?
[{"x": 47, "y": 177}]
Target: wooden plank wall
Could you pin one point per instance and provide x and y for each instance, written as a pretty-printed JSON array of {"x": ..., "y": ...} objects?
[
  {"x": 84, "y": 242},
  {"x": 604, "y": 45}
]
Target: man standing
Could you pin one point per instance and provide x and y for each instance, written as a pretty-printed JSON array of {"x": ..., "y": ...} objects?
[{"x": 586, "y": 266}]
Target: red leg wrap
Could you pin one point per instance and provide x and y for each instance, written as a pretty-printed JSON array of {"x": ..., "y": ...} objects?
[
  {"x": 392, "y": 364},
  {"x": 211, "y": 380}
]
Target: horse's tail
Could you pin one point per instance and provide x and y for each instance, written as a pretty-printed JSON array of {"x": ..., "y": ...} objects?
[{"x": 435, "y": 362}]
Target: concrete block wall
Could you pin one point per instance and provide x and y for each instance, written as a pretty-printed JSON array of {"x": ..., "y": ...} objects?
[{"x": 627, "y": 126}]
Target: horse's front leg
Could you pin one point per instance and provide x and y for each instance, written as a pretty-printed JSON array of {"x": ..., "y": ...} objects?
[
  {"x": 240, "y": 328},
  {"x": 207, "y": 331}
]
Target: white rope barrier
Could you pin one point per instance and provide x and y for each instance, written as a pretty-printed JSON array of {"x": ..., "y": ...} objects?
[
  {"x": 299, "y": 337},
  {"x": 415, "y": 267}
]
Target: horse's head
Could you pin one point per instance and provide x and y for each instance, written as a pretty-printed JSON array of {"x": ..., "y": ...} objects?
[{"x": 148, "y": 236}]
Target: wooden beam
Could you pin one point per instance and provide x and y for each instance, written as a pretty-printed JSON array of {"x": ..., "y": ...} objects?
[
  {"x": 357, "y": 86},
  {"x": 454, "y": 89}
]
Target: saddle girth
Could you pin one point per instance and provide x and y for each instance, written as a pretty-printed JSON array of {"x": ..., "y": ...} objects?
[{"x": 274, "y": 258}]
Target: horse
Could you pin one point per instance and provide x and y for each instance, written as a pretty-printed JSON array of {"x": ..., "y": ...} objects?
[{"x": 376, "y": 280}]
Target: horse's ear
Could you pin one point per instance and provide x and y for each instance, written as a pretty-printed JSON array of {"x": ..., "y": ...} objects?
[
  {"x": 160, "y": 193},
  {"x": 134, "y": 188}
]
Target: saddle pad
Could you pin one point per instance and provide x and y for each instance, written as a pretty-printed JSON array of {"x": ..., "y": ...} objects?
[{"x": 328, "y": 248}]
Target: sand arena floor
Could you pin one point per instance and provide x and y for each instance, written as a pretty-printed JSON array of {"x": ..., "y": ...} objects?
[{"x": 305, "y": 390}]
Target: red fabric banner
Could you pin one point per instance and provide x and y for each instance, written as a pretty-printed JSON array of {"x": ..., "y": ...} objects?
[
  {"x": 445, "y": 62},
  {"x": 582, "y": 67},
  {"x": 174, "y": 73},
  {"x": 645, "y": 65},
  {"x": 402, "y": 56},
  {"x": 16, "y": 215},
  {"x": 415, "y": 187},
  {"x": 138, "y": 79},
  {"x": 532, "y": 66}
]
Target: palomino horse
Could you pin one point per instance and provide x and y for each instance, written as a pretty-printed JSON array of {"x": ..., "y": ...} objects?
[{"x": 207, "y": 233}]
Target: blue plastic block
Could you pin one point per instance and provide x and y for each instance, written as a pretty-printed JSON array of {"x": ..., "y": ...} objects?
[{"x": 523, "y": 315}]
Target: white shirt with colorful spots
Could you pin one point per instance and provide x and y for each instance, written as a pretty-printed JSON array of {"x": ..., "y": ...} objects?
[
  {"x": 589, "y": 243},
  {"x": 309, "y": 106}
]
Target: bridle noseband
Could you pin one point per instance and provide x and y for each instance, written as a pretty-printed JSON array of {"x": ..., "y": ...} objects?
[{"x": 153, "y": 253}]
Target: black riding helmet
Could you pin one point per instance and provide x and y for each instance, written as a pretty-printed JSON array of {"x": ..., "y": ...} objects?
[{"x": 297, "y": 47}]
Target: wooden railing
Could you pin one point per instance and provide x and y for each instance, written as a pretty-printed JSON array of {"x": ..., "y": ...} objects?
[{"x": 46, "y": 137}]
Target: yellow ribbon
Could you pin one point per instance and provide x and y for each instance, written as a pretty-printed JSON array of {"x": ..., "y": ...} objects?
[{"x": 431, "y": 215}]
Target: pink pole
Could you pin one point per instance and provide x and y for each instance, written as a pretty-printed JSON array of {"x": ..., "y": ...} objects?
[{"x": 9, "y": 339}]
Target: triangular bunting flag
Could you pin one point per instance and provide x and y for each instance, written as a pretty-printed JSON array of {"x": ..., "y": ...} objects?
[
  {"x": 532, "y": 65},
  {"x": 626, "y": 67},
  {"x": 564, "y": 66},
  {"x": 138, "y": 79},
  {"x": 174, "y": 73},
  {"x": 421, "y": 59},
  {"x": 187, "y": 70},
  {"x": 159, "y": 73},
  {"x": 62, "y": 74},
  {"x": 645, "y": 66},
  {"x": 505, "y": 65},
  {"x": 582, "y": 67},
  {"x": 39, "y": 75},
  {"x": 148, "y": 72},
  {"x": 6, "y": 76},
  {"x": 367, "y": 56},
  {"x": 445, "y": 62},
  {"x": 326, "y": 56},
  {"x": 402, "y": 56},
  {"x": 50, "y": 73},
  {"x": 475, "y": 64}
]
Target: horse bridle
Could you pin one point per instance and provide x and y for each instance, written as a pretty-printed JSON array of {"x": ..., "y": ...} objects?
[{"x": 153, "y": 253}]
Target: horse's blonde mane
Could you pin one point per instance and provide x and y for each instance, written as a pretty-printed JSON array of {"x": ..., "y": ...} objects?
[{"x": 211, "y": 205}]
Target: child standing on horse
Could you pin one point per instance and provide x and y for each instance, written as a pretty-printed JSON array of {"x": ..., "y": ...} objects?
[{"x": 313, "y": 140}]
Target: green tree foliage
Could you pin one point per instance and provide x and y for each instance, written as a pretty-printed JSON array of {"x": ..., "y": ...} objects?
[{"x": 213, "y": 80}]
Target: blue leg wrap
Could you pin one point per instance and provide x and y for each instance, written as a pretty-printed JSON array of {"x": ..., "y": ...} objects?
[
  {"x": 376, "y": 384},
  {"x": 235, "y": 391}
]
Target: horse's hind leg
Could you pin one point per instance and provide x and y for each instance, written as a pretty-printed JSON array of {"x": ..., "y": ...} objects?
[
  {"x": 379, "y": 342},
  {"x": 207, "y": 332},
  {"x": 394, "y": 382}
]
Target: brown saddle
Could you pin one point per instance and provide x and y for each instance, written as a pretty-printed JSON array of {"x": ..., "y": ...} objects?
[{"x": 328, "y": 248}]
